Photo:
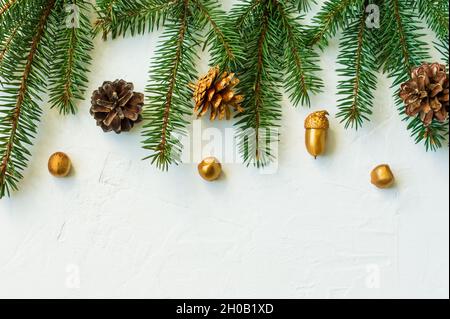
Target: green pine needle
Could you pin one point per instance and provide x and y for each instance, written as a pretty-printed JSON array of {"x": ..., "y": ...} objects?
[
  {"x": 301, "y": 62},
  {"x": 358, "y": 72},
  {"x": 120, "y": 17},
  {"x": 261, "y": 81},
  {"x": 71, "y": 60},
  {"x": 333, "y": 16},
  {"x": 403, "y": 50},
  {"x": 169, "y": 99},
  {"x": 436, "y": 14},
  {"x": 277, "y": 56},
  {"x": 432, "y": 136},
  {"x": 443, "y": 48},
  {"x": 25, "y": 80},
  {"x": 36, "y": 50},
  {"x": 403, "y": 46},
  {"x": 223, "y": 40},
  {"x": 396, "y": 48}
]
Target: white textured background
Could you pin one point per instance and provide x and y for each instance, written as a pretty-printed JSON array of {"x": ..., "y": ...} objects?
[{"x": 120, "y": 228}]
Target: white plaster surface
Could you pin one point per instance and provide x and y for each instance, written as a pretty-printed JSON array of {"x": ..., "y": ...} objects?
[{"x": 317, "y": 228}]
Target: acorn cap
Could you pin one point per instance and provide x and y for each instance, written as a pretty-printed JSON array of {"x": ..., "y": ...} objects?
[{"x": 317, "y": 120}]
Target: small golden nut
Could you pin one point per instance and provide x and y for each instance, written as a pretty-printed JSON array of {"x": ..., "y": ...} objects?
[
  {"x": 210, "y": 169},
  {"x": 382, "y": 177},
  {"x": 316, "y": 125},
  {"x": 59, "y": 164}
]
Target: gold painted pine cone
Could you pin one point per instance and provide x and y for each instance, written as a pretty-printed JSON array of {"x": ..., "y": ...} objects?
[
  {"x": 316, "y": 125},
  {"x": 216, "y": 92},
  {"x": 116, "y": 107}
]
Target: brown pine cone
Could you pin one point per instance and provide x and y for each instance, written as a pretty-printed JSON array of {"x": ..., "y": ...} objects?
[
  {"x": 216, "y": 92},
  {"x": 116, "y": 107},
  {"x": 426, "y": 94}
]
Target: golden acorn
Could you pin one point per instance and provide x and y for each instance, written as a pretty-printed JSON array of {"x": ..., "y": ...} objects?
[
  {"x": 59, "y": 165},
  {"x": 210, "y": 169},
  {"x": 316, "y": 125},
  {"x": 216, "y": 92},
  {"x": 382, "y": 176}
]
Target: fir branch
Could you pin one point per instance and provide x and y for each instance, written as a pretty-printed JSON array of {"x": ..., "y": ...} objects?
[
  {"x": 436, "y": 13},
  {"x": 260, "y": 82},
  {"x": 302, "y": 5},
  {"x": 5, "y": 6},
  {"x": 169, "y": 98},
  {"x": 402, "y": 51},
  {"x": 402, "y": 47},
  {"x": 70, "y": 67},
  {"x": 274, "y": 41},
  {"x": 443, "y": 48},
  {"x": 225, "y": 42},
  {"x": 359, "y": 67},
  {"x": 300, "y": 61},
  {"x": 163, "y": 146},
  {"x": 396, "y": 49},
  {"x": 10, "y": 17},
  {"x": 169, "y": 95},
  {"x": 107, "y": 11},
  {"x": 119, "y": 17},
  {"x": 432, "y": 136},
  {"x": 19, "y": 109},
  {"x": 244, "y": 12},
  {"x": 258, "y": 93},
  {"x": 7, "y": 46},
  {"x": 334, "y": 15}
]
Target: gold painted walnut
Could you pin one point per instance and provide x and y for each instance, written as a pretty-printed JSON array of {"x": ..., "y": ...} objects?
[
  {"x": 59, "y": 165},
  {"x": 210, "y": 169},
  {"x": 382, "y": 177}
]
